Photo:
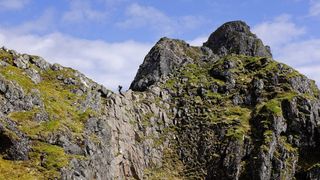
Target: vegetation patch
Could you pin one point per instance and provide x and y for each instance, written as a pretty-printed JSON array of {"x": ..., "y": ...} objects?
[
  {"x": 274, "y": 106},
  {"x": 19, "y": 170},
  {"x": 172, "y": 168}
]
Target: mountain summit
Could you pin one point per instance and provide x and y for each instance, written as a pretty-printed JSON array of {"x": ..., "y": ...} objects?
[
  {"x": 231, "y": 38},
  {"x": 236, "y": 37},
  {"x": 225, "y": 110}
]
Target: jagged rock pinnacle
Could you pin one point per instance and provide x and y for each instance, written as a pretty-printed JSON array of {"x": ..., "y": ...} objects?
[{"x": 236, "y": 37}]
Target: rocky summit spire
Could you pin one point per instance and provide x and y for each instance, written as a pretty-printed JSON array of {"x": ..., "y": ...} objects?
[{"x": 236, "y": 37}]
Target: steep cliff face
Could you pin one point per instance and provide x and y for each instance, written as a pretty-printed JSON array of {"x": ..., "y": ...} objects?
[{"x": 225, "y": 110}]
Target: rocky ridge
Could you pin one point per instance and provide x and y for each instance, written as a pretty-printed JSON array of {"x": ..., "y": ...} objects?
[{"x": 225, "y": 110}]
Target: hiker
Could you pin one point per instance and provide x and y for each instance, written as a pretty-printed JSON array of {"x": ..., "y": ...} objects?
[{"x": 120, "y": 89}]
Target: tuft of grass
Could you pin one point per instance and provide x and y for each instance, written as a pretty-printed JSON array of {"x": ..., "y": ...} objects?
[
  {"x": 18, "y": 170},
  {"x": 172, "y": 167},
  {"x": 274, "y": 106},
  {"x": 240, "y": 117},
  {"x": 49, "y": 159},
  {"x": 17, "y": 75}
]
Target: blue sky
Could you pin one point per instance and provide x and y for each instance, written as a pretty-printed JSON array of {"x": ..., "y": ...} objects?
[{"x": 108, "y": 39}]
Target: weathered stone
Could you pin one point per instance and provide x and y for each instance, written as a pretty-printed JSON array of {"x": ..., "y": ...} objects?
[
  {"x": 70, "y": 81},
  {"x": 21, "y": 62},
  {"x": 235, "y": 37},
  {"x": 34, "y": 75},
  {"x": 56, "y": 67},
  {"x": 40, "y": 62},
  {"x": 14, "y": 144},
  {"x": 162, "y": 59}
]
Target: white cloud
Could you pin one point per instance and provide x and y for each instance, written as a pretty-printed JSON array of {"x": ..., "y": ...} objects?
[
  {"x": 139, "y": 16},
  {"x": 108, "y": 63},
  {"x": 279, "y": 31},
  {"x": 304, "y": 56},
  {"x": 283, "y": 36},
  {"x": 198, "y": 41},
  {"x": 81, "y": 11},
  {"x": 301, "y": 53},
  {"x": 13, "y": 4},
  {"x": 314, "y": 8}
]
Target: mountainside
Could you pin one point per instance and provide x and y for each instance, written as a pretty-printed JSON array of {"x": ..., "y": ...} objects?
[{"x": 225, "y": 110}]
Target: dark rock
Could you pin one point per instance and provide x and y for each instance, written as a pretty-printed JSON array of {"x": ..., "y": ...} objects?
[
  {"x": 214, "y": 88},
  {"x": 258, "y": 84},
  {"x": 314, "y": 173},
  {"x": 228, "y": 64},
  {"x": 104, "y": 92},
  {"x": 70, "y": 81},
  {"x": 201, "y": 92},
  {"x": 40, "y": 62},
  {"x": 235, "y": 37},
  {"x": 237, "y": 100},
  {"x": 21, "y": 62},
  {"x": 14, "y": 145},
  {"x": 220, "y": 74},
  {"x": 56, "y": 67}
]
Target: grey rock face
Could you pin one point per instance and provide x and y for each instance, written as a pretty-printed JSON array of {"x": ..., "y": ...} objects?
[
  {"x": 14, "y": 97},
  {"x": 114, "y": 145},
  {"x": 14, "y": 144},
  {"x": 40, "y": 63},
  {"x": 21, "y": 62},
  {"x": 34, "y": 75},
  {"x": 166, "y": 56},
  {"x": 235, "y": 37}
]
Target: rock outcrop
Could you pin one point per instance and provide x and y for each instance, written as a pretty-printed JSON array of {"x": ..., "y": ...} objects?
[
  {"x": 225, "y": 110},
  {"x": 236, "y": 37},
  {"x": 164, "y": 58}
]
